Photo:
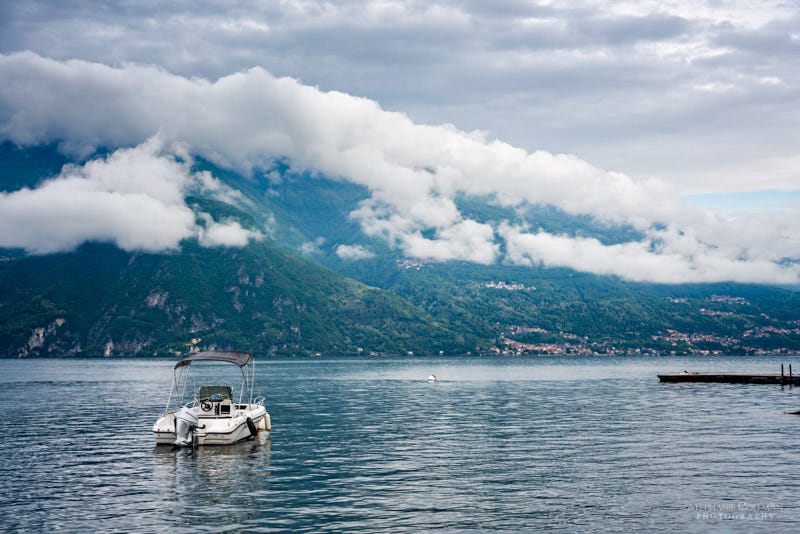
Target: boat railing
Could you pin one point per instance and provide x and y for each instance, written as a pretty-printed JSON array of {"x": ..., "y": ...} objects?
[{"x": 181, "y": 388}]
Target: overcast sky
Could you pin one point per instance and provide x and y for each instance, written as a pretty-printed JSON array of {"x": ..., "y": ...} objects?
[
  {"x": 703, "y": 94},
  {"x": 615, "y": 111}
]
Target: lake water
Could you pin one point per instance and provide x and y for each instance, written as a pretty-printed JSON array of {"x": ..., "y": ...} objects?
[{"x": 566, "y": 444}]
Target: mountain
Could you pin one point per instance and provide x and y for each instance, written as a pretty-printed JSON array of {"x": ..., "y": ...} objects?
[
  {"x": 101, "y": 300},
  {"x": 292, "y": 293},
  {"x": 515, "y": 309}
]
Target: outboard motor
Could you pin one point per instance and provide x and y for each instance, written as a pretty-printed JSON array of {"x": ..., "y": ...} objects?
[{"x": 185, "y": 423}]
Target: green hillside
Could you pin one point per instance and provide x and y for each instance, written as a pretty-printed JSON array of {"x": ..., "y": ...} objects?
[{"x": 100, "y": 300}]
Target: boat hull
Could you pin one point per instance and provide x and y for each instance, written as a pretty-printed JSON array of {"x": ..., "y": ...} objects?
[{"x": 217, "y": 430}]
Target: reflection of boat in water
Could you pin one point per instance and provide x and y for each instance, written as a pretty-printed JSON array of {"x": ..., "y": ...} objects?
[
  {"x": 259, "y": 446},
  {"x": 213, "y": 416}
]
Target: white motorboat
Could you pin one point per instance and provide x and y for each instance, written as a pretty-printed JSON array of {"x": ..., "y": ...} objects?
[{"x": 213, "y": 415}]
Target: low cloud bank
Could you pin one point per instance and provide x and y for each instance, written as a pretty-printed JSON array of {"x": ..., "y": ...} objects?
[
  {"x": 638, "y": 261},
  {"x": 133, "y": 198},
  {"x": 414, "y": 172}
]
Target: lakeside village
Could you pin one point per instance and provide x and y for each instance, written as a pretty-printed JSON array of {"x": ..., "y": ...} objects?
[{"x": 671, "y": 342}]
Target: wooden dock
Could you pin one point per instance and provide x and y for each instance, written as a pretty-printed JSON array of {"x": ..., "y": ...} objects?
[{"x": 735, "y": 378}]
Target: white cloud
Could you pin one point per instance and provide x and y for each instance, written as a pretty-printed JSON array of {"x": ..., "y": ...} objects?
[
  {"x": 312, "y": 247},
  {"x": 354, "y": 252},
  {"x": 415, "y": 172},
  {"x": 466, "y": 240},
  {"x": 133, "y": 198},
  {"x": 640, "y": 261},
  {"x": 225, "y": 234},
  {"x": 208, "y": 185}
]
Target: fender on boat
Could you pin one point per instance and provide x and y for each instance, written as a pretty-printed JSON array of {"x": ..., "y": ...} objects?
[
  {"x": 252, "y": 426},
  {"x": 264, "y": 422}
]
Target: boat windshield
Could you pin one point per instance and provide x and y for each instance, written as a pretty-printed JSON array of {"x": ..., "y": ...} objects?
[{"x": 215, "y": 392}]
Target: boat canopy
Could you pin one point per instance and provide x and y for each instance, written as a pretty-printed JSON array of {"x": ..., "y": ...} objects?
[{"x": 239, "y": 358}]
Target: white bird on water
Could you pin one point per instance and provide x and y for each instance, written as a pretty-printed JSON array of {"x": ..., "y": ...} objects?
[{"x": 432, "y": 378}]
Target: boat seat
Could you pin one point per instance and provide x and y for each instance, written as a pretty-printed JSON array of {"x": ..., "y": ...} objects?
[{"x": 215, "y": 392}]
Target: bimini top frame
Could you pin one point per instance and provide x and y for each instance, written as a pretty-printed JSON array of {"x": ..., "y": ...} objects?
[
  {"x": 239, "y": 358},
  {"x": 244, "y": 360}
]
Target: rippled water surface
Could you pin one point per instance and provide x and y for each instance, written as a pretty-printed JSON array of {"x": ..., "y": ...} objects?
[{"x": 368, "y": 445}]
